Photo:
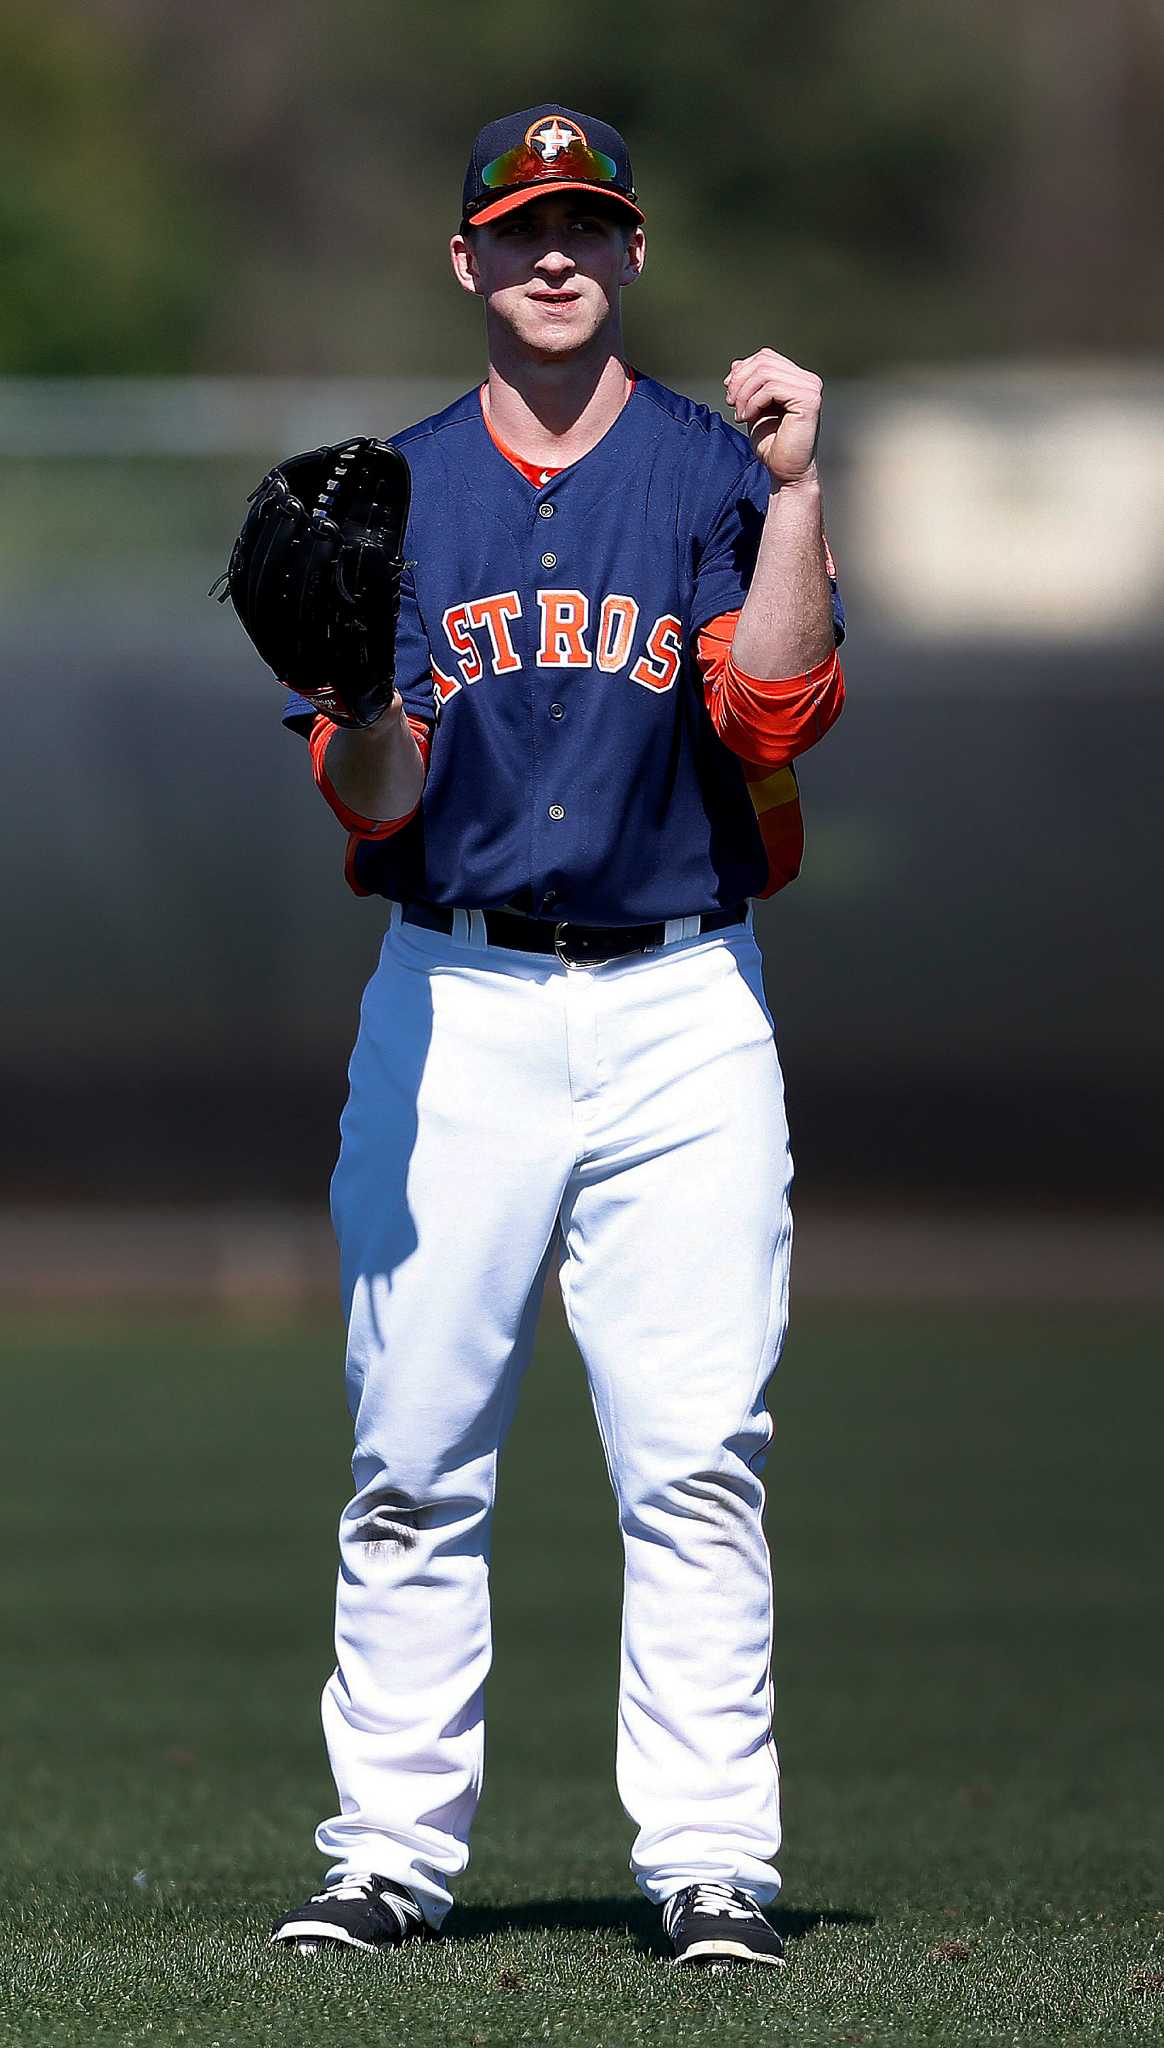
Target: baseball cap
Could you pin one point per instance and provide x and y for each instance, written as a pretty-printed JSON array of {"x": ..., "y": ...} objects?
[{"x": 545, "y": 148}]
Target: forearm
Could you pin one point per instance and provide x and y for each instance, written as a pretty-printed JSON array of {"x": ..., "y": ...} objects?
[
  {"x": 377, "y": 772},
  {"x": 786, "y": 625}
]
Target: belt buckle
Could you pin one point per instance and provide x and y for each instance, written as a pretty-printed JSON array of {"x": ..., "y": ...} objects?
[{"x": 564, "y": 957}]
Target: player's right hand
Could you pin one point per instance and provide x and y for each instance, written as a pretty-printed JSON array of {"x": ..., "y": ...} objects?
[{"x": 779, "y": 406}]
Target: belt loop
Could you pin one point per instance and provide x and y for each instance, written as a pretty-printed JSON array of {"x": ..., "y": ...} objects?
[
  {"x": 461, "y": 926},
  {"x": 674, "y": 930},
  {"x": 692, "y": 926},
  {"x": 395, "y": 916},
  {"x": 478, "y": 932}
]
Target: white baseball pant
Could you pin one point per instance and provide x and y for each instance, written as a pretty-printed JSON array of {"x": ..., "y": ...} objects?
[{"x": 630, "y": 1116}]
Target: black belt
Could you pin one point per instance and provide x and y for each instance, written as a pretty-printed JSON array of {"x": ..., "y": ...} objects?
[{"x": 575, "y": 945}]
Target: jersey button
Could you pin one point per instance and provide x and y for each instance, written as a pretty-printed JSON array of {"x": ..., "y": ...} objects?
[
  {"x": 550, "y": 899},
  {"x": 545, "y": 511},
  {"x": 557, "y": 811},
  {"x": 557, "y": 711},
  {"x": 549, "y": 561}
]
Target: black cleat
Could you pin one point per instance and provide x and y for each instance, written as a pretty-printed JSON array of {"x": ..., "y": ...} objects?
[
  {"x": 714, "y": 1923},
  {"x": 359, "y": 1910}
]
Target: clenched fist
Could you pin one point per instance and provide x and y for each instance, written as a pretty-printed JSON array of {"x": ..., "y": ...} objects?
[{"x": 778, "y": 404}]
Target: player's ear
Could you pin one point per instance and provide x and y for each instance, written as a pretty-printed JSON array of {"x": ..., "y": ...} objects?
[
  {"x": 464, "y": 261},
  {"x": 636, "y": 255}
]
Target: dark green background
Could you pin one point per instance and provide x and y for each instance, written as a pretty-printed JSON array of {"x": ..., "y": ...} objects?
[
  {"x": 890, "y": 180},
  {"x": 939, "y": 208}
]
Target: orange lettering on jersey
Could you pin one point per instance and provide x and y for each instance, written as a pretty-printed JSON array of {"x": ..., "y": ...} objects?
[
  {"x": 616, "y": 628},
  {"x": 495, "y": 613},
  {"x": 657, "y": 668},
  {"x": 565, "y": 617},
  {"x": 456, "y": 625},
  {"x": 443, "y": 686}
]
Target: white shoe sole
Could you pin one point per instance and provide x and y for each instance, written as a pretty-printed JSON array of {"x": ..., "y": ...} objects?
[
  {"x": 725, "y": 1951},
  {"x": 306, "y": 1936}
]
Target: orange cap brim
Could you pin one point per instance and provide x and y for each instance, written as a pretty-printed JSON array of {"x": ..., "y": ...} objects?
[{"x": 513, "y": 200}]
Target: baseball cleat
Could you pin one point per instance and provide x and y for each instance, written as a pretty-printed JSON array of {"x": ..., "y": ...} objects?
[
  {"x": 359, "y": 1910},
  {"x": 715, "y": 1923}
]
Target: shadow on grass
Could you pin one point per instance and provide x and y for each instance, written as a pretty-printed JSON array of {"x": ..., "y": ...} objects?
[{"x": 636, "y": 1917}]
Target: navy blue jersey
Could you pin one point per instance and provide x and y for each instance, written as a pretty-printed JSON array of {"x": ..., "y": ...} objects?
[{"x": 547, "y": 635}]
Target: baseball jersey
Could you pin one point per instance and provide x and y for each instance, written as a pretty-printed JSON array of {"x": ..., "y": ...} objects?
[{"x": 547, "y": 650}]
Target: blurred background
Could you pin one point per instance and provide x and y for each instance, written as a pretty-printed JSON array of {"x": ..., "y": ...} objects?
[
  {"x": 223, "y": 239},
  {"x": 220, "y": 247}
]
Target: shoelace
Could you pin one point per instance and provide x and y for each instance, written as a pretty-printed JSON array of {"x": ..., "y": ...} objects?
[
  {"x": 710, "y": 1899},
  {"x": 365, "y": 1884}
]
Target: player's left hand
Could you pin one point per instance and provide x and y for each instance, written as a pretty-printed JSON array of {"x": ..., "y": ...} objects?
[{"x": 778, "y": 404}]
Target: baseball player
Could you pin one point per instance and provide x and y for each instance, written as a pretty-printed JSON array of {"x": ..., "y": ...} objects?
[{"x": 618, "y": 627}]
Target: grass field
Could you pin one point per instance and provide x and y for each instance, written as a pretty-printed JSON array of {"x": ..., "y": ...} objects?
[{"x": 964, "y": 1515}]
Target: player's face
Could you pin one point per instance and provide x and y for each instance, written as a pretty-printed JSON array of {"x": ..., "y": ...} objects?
[{"x": 551, "y": 271}]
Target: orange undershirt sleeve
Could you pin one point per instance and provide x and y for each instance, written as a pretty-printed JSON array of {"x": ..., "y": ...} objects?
[
  {"x": 766, "y": 721},
  {"x": 772, "y": 788},
  {"x": 322, "y": 734}
]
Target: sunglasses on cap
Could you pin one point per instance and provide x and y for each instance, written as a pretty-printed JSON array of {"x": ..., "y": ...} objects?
[{"x": 524, "y": 166}]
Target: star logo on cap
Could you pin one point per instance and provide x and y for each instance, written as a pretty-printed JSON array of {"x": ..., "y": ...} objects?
[{"x": 556, "y": 136}]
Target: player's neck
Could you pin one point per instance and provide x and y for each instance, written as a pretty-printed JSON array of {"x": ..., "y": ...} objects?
[{"x": 553, "y": 413}]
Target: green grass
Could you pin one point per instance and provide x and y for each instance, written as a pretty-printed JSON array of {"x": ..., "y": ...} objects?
[{"x": 963, "y": 1506}]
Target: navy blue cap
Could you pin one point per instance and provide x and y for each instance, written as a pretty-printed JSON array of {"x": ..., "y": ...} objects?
[{"x": 545, "y": 148}]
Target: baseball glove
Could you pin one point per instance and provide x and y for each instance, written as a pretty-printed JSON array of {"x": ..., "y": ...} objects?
[{"x": 315, "y": 575}]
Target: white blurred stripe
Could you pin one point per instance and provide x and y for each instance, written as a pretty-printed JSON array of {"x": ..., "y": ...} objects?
[
  {"x": 972, "y": 507},
  {"x": 113, "y": 418}
]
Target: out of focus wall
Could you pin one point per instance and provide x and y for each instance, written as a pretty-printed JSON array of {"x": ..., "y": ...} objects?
[{"x": 968, "y": 979}]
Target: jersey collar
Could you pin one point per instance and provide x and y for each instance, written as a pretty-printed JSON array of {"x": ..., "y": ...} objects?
[{"x": 540, "y": 477}]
